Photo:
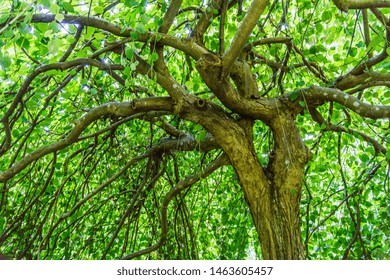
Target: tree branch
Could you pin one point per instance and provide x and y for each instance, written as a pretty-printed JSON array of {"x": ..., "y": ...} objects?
[
  {"x": 267, "y": 41},
  {"x": 123, "y": 109},
  {"x": 205, "y": 20},
  {"x": 366, "y": 30},
  {"x": 187, "y": 182},
  {"x": 345, "y": 5},
  {"x": 249, "y": 22},
  {"x": 55, "y": 66},
  {"x": 317, "y": 71},
  {"x": 318, "y": 118},
  {"x": 352, "y": 83},
  {"x": 317, "y": 95},
  {"x": 186, "y": 45},
  {"x": 170, "y": 16}
]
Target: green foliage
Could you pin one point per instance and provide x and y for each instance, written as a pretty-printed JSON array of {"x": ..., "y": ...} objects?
[{"x": 101, "y": 197}]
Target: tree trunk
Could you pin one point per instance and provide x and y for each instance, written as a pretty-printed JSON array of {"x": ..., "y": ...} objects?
[
  {"x": 276, "y": 217},
  {"x": 275, "y": 211},
  {"x": 273, "y": 194},
  {"x": 276, "y": 214}
]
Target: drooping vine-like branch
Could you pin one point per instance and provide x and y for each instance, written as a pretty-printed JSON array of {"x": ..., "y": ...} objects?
[
  {"x": 118, "y": 109},
  {"x": 318, "y": 118},
  {"x": 183, "y": 184}
]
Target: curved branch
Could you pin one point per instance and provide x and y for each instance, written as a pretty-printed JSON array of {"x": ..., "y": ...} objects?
[
  {"x": 379, "y": 15},
  {"x": 94, "y": 192},
  {"x": 369, "y": 84},
  {"x": 317, "y": 71},
  {"x": 55, "y": 66},
  {"x": 131, "y": 207},
  {"x": 377, "y": 146},
  {"x": 9, "y": 22},
  {"x": 186, "y": 45},
  {"x": 267, "y": 41},
  {"x": 369, "y": 63},
  {"x": 366, "y": 30},
  {"x": 317, "y": 117},
  {"x": 209, "y": 67},
  {"x": 42, "y": 69},
  {"x": 119, "y": 109},
  {"x": 352, "y": 83},
  {"x": 72, "y": 45},
  {"x": 318, "y": 95},
  {"x": 360, "y": 69}
]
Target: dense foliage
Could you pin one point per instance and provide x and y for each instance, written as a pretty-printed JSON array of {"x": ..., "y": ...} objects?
[{"x": 95, "y": 165}]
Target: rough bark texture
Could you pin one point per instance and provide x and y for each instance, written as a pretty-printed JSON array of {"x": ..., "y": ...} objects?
[{"x": 273, "y": 195}]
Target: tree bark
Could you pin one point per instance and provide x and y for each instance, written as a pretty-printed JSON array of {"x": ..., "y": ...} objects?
[{"x": 274, "y": 194}]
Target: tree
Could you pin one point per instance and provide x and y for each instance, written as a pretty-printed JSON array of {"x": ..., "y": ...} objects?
[{"x": 195, "y": 129}]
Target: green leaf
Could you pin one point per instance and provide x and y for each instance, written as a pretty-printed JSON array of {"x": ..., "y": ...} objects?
[
  {"x": 326, "y": 15},
  {"x": 127, "y": 71},
  {"x": 144, "y": 19},
  {"x": 140, "y": 28},
  {"x": 364, "y": 158},
  {"x": 133, "y": 66},
  {"x": 154, "y": 57},
  {"x": 196, "y": 86},
  {"x": 68, "y": 7},
  {"x": 23, "y": 43},
  {"x": 376, "y": 41},
  {"x": 89, "y": 33},
  {"x": 201, "y": 136},
  {"x": 353, "y": 52},
  {"x": 54, "y": 8},
  {"x": 129, "y": 53},
  {"x": 5, "y": 61},
  {"x": 293, "y": 96},
  {"x": 59, "y": 17},
  {"x": 360, "y": 44},
  {"x": 45, "y": 3},
  {"x": 54, "y": 45},
  {"x": 3, "y": 18},
  {"x": 98, "y": 10},
  {"x": 131, "y": 3},
  {"x": 134, "y": 35},
  {"x": 157, "y": 20},
  {"x": 99, "y": 36}
]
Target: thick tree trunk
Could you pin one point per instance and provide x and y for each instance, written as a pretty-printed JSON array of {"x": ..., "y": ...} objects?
[
  {"x": 274, "y": 193},
  {"x": 274, "y": 207},
  {"x": 276, "y": 217},
  {"x": 276, "y": 212}
]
